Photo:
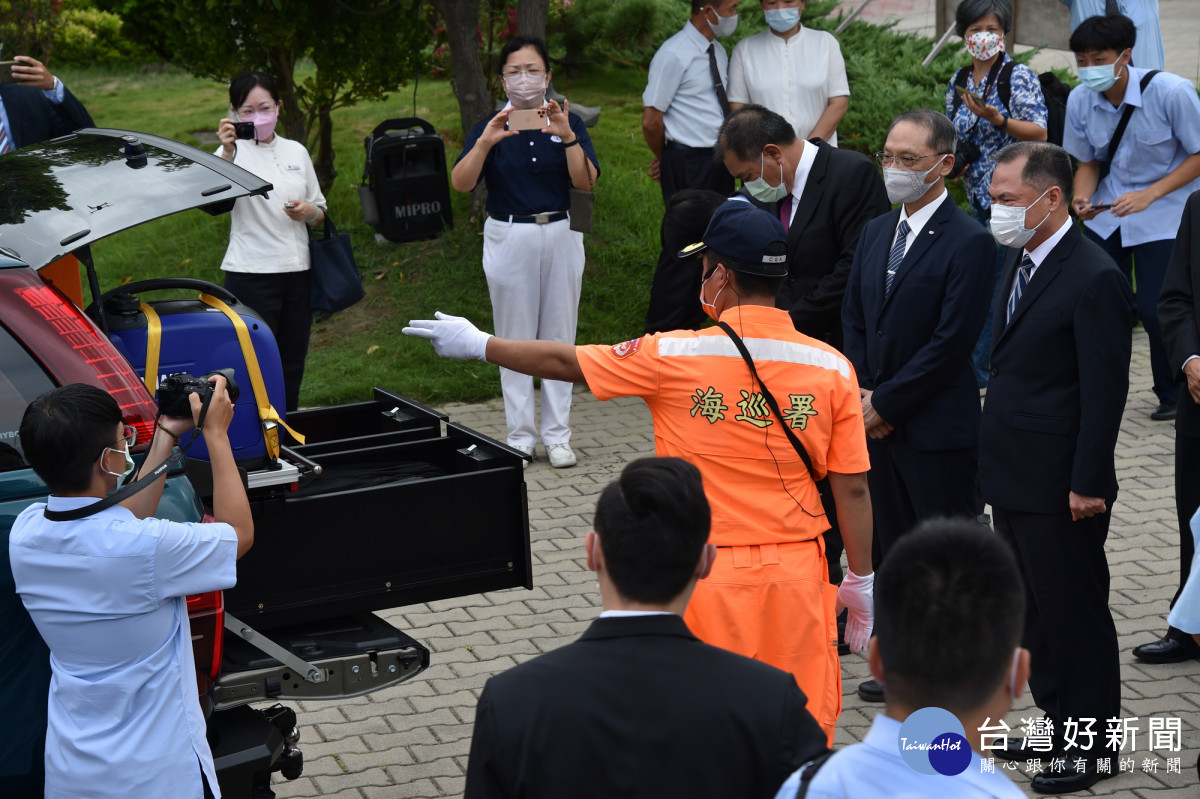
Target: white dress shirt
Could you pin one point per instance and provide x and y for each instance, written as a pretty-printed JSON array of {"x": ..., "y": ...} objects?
[
  {"x": 808, "y": 157},
  {"x": 874, "y": 768},
  {"x": 680, "y": 85},
  {"x": 916, "y": 222},
  {"x": 107, "y": 593},
  {"x": 1039, "y": 253},
  {"x": 795, "y": 77}
]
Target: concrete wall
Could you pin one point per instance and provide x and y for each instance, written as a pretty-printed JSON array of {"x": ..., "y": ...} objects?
[{"x": 1045, "y": 23}]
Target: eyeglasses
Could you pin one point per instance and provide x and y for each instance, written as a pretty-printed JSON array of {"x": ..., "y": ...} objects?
[
  {"x": 908, "y": 161},
  {"x": 532, "y": 73},
  {"x": 246, "y": 111},
  {"x": 129, "y": 437}
]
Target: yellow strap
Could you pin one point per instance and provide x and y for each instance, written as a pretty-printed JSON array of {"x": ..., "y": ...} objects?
[
  {"x": 153, "y": 347},
  {"x": 265, "y": 412}
]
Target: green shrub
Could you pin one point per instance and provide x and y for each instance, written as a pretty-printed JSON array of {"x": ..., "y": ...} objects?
[{"x": 89, "y": 35}]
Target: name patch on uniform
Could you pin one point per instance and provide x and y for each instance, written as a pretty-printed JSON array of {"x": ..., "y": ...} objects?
[
  {"x": 294, "y": 168},
  {"x": 626, "y": 348}
]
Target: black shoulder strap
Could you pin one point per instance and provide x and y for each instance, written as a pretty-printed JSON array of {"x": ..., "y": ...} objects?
[
  {"x": 809, "y": 771},
  {"x": 1119, "y": 133},
  {"x": 800, "y": 450},
  {"x": 960, "y": 83},
  {"x": 992, "y": 76},
  {"x": 1004, "y": 84}
]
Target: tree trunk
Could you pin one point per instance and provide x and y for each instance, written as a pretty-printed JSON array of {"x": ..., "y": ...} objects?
[
  {"x": 283, "y": 64},
  {"x": 470, "y": 87},
  {"x": 323, "y": 165},
  {"x": 531, "y": 18}
]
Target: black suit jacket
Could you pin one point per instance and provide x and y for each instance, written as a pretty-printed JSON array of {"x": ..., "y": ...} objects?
[
  {"x": 1060, "y": 377},
  {"x": 639, "y": 707},
  {"x": 913, "y": 347},
  {"x": 1179, "y": 311},
  {"x": 843, "y": 192},
  {"x": 35, "y": 119}
]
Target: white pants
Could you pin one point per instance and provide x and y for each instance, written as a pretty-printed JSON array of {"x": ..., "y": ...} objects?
[{"x": 534, "y": 274}]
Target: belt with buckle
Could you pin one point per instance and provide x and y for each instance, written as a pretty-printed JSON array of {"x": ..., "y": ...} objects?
[{"x": 535, "y": 219}]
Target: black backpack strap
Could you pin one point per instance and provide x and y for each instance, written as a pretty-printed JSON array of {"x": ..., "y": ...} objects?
[
  {"x": 1119, "y": 133},
  {"x": 960, "y": 84},
  {"x": 800, "y": 450},
  {"x": 809, "y": 771},
  {"x": 1004, "y": 84}
]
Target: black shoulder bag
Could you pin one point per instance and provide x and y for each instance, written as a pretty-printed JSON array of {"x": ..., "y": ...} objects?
[
  {"x": 1119, "y": 133},
  {"x": 823, "y": 487}
]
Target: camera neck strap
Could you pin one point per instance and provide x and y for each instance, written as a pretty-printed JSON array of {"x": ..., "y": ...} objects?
[
  {"x": 134, "y": 486},
  {"x": 771, "y": 403}
]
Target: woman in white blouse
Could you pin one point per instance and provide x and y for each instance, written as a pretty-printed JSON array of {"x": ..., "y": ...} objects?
[
  {"x": 795, "y": 71},
  {"x": 266, "y": 264}
]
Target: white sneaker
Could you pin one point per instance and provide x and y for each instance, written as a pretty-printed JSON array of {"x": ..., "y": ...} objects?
[
  {"x": 561, "y": 455},
  {"x": 528, "y": 451}
]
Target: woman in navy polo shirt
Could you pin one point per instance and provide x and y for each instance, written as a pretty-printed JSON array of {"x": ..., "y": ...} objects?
[{"x": 532, "y": 259}]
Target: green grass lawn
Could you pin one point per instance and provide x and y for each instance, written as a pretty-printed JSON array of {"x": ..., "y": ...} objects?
[{"x": 363, "y": 346}]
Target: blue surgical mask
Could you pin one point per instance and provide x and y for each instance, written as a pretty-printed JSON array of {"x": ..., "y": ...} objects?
[
  {"x": 1100, "y": 78},
  {"x": 761, "y": 190},
  {"x": 782, "y": 20}
]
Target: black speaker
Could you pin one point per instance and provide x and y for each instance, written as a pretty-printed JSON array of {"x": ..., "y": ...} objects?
[{"x": 405, "y": 181}]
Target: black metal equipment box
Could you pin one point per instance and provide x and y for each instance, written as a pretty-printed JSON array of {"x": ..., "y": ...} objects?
[
  {"x": 405, "y": 180},
  {"x": 403, "y": 512}
]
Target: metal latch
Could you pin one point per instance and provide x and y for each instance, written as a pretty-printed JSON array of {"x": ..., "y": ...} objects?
[{"x": 260, "y": 642}]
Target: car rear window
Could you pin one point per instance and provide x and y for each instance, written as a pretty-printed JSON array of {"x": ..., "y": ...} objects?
[{"x": 21, "y": 381}]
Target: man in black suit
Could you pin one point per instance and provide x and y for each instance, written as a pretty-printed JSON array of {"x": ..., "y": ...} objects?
[
  {"x": 638, "y": 706},
  {"x": 1059, "y": 380},
  {"x": 914, "y": 305},
  {"x": 37, "y": 107},
  {"x": 824, "y": 196},
  {"x": 1179, "y": 317}
]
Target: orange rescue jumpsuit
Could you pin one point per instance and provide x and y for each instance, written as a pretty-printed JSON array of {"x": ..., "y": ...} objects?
[{"x": 768, "y": 596}]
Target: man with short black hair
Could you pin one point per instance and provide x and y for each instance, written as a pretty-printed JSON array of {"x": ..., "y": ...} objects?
[
  {"x": 823, "y": 196},
  {"x": 1130, "y": 195},
  {"x": 1059, "y": 380},
  {"x": 638, "y": 705},
  {"x": 914, "y": 307},
  {"x": 106, "y": 587},
  {"x": 947, "y": 635},
  {"x": 768, "y": 595}
]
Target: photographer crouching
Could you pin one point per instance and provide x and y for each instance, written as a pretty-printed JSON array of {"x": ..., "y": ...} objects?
[{"x": 105, "y": 583}]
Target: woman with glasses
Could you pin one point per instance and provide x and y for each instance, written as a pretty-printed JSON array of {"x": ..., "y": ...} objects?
[
  {"x": 532, "y": 258},
  {"x": 267, "y": 261},
  {"x": 992, "y": 103}
]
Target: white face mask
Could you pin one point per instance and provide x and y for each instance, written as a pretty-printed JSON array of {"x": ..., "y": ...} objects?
[
  {"x": 724, "y": 26},
  {"x": 128, "y": 462},
  {"x": 907, "y": 185},
  {"x": 761, "y": 190},
  {"x": 782, "y": 20},
  {"x": 1008, "y": 223}
]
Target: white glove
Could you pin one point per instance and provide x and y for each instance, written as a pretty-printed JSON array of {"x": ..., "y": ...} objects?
[
  {"x": 858, "y": 595},
  {"x": 452, "y": 336}
]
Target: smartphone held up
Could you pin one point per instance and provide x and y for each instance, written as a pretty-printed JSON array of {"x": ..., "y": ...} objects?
[{"x": 528, "y": 119}]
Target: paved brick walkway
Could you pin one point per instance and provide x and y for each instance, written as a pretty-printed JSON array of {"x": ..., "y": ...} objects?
[{"x": 412, "y": 740}]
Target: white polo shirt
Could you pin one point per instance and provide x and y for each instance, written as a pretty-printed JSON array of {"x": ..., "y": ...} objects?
[
  {"x": 107, "y": 593},
  {"x": 794, "y": 78},
  {"x": 262, "y": 238}
]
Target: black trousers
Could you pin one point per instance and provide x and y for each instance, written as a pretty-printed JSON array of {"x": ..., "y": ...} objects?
[
  {"x": 910, "y": 485},
  {"x": 281, "y": 299},
  {"x": 674, "y": 303},
  {"x": 1069, "y": 630}
]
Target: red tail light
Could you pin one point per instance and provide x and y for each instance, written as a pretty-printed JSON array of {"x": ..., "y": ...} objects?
[
  {"x": 206, "y": 612},
  {"x": 47, "y": 321}
]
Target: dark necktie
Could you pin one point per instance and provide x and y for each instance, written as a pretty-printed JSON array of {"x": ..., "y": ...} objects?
[
  {"x": 896, "y": 256},
  {"x": 785, "y": 213},
  {"x": 718, "y": 85},
  {"x": 1019, "y": 289},
  {"x": 1111, "y": 7}
]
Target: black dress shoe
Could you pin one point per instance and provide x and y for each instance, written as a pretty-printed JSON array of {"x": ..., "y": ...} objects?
[
  {"x": 1170, "y": 648},
  {"x": 1164, "y": 412},
  {"x": 1069, "y": 780},
  {"x": 870, "y": 691}
]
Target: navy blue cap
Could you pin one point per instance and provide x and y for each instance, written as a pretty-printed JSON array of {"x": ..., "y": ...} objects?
[{"x": 748, "y": 235}]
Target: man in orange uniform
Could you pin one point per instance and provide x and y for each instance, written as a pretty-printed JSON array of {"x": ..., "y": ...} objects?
[{"x": 768, "y": 595}]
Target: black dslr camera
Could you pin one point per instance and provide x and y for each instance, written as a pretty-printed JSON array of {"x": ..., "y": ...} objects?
[{"x": 173, "y": 391}]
